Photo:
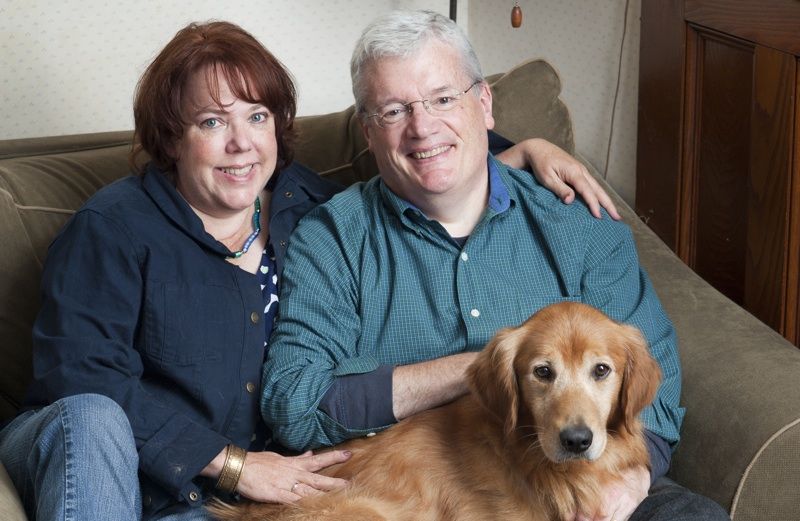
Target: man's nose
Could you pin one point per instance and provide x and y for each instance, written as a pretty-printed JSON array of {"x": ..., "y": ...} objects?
[{"x": 420, "y": 119}]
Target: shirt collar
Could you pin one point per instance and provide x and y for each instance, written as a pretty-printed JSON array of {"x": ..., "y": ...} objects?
[
  {"x": 499, "y": 198},
  {"x": 176, "y": 209}
]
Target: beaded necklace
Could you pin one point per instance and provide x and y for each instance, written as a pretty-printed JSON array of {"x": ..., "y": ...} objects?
[{"x": 256, "y": 231}]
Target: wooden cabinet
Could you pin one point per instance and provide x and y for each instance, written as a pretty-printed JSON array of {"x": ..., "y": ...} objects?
[{"x": 718, "y": 157}]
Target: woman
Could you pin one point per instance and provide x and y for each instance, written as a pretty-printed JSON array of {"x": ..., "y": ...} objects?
[{"x": 159, "y": 296}]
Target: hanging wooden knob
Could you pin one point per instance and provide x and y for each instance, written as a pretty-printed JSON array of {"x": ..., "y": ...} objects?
[{"x": 516, "y": 16}]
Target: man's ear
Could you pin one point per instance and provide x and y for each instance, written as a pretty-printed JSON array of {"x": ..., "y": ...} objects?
[
  {"x": 365, "y": 128},
  {"x": 486, "y": 104}
]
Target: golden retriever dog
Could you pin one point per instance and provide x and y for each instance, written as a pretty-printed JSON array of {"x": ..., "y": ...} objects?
[{"x": 551, "y": 417}]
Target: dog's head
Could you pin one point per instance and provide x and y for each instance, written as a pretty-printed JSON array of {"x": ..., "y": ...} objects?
[{"x": 571, "y": 374}]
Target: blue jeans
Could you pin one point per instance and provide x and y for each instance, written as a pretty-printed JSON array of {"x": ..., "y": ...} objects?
[
  {"x": 668, "y": 501},
  {"x": 74, "y": 460}
]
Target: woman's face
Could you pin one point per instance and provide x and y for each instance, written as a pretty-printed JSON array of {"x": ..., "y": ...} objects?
[{"x": 226, "y": 154}]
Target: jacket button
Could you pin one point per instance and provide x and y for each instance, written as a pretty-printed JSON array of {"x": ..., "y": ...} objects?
[
  {"x": 254, "y": 317},
  {"x": 288, "y": 195},
  {"x": 147, "y": 500},
  {"x": 251, "y": 387},
  {"x": 283, "y": 243},
  {"x": 193, "y": 495}
]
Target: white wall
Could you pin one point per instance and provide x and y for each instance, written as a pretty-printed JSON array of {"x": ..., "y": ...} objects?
[
  {"x": 70, "y": 66},
  {"x": 581, "y": 39}
]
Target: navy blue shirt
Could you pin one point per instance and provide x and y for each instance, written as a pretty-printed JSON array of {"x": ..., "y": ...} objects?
[{"x": 140, "y": 304}]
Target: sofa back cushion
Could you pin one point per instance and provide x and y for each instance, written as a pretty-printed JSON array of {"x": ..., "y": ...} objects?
[{"x": 44, "y": 180}]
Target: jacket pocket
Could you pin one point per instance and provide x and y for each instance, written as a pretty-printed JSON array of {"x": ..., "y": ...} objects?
[{"x": 186, "y": 324}]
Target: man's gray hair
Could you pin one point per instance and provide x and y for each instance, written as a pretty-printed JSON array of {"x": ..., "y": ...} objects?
[{"x": 402, "y": 33}]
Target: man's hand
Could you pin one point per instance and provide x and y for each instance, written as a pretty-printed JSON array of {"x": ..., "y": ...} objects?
[
  {"x": 560, "y": 173},
  {"x": 269, "y": 477},
  {"x": 621, "y": 497}
]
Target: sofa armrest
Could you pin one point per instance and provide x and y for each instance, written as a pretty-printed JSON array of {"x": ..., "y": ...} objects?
[
  {"x": 10, "y": 506},
  {"x": 740, "y": 442}
]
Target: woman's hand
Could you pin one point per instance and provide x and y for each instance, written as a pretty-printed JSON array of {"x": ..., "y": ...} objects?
[
  {"x": 560, "y": 173},
  {"x": 269, "y": 477}
]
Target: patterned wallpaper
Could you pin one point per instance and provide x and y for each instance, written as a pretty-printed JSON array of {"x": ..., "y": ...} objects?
[
  {"x": 70, "y": 66},
  {"x": 581, "y": 39}
]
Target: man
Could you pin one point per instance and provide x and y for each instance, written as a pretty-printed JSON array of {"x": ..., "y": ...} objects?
[{"x": 391, "y": 287}]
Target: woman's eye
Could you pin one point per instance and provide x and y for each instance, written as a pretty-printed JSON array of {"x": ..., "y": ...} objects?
[
  {"x": 259, "y": 118},
  {"x": 210, "y": 123}
]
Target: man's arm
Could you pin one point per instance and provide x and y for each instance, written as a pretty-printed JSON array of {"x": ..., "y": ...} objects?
[
  {"x": 423, "y": 386},
  {"x": 314, "y": 365},
  {"x": 614, "y": 282}
]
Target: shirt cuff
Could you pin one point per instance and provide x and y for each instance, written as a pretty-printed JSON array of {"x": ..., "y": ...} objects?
[
  {"x": 660, "y": 455},
  {"x": 361, "y": 401}
]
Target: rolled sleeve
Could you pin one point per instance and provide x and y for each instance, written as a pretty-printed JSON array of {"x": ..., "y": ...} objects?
[{"x": 315, "y": 340}]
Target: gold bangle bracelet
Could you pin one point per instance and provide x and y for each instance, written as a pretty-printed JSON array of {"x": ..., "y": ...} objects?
[{"x": 231, "y": 469}]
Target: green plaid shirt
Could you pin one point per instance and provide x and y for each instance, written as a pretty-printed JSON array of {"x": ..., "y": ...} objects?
[{"x": 370, "y": 282}]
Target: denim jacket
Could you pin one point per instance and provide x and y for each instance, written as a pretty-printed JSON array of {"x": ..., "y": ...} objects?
[{"x": 139, "y": 304}]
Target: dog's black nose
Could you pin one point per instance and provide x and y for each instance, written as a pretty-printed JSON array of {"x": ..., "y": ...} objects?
[{"x": 576, "y": 439}]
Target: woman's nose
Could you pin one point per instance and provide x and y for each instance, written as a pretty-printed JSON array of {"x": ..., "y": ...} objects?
[{"x": 239, "y": 139}]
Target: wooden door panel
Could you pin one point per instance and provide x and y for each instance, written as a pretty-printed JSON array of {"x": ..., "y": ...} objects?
[
  {"x": 718, "y": 169},
  {"x": 771, "y": 136},
  {"x": 717, "y": 220},
  {"x": 660, "y": 102},
  {"x": 772, "y": 23}
]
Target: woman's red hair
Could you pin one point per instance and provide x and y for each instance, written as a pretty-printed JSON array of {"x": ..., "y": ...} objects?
[{"x": 252, "y": 72}]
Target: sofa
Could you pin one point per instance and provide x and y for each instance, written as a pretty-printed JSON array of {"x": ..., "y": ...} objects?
[{"x": 741, "y": 436}]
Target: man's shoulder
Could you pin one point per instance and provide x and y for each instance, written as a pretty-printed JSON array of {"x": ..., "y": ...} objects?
[
  {"x": 556, "y": 219},
  {"x": 348, "y": 212},
  {"x": 526, "y": 190}
]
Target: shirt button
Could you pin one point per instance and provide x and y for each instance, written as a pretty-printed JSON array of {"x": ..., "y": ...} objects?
[
  {"x": 251, "y": 387},
  {"x": 282, "y": 243},
  {"x": 193, "y": 495},
  {"x": 475, "y": 313},
  {"x": 288, "y": 195},
  {"x": 464, "y": 256},
  {"x": 254, "y": 317}
]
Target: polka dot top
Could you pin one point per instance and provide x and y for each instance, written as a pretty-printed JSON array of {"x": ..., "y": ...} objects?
[{"x": 268, "y": 278}]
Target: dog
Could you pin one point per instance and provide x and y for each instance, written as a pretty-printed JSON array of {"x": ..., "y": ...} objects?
[{"x": 551, "y": 417}]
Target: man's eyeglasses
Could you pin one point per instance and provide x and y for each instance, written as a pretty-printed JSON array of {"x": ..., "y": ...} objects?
[{"x": 436, "y": 106}]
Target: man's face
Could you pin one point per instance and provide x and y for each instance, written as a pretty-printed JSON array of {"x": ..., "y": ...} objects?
[{"x": 427, "y": 156}]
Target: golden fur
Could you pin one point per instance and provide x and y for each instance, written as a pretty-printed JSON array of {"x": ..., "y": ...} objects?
[{"x": 497, "y": 453}]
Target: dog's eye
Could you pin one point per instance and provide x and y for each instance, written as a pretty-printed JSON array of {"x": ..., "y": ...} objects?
[
  {"x": 601, "y": 371},
  {"x": 543, "y": 372}
]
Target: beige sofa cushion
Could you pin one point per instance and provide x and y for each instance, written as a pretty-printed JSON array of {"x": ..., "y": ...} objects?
[{"x": 10, "y": 506}]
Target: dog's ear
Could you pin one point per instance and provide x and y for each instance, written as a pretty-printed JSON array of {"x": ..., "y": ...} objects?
[
  {"x": 492, "y": 379},
  {"x": 641, "y": 377}
]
